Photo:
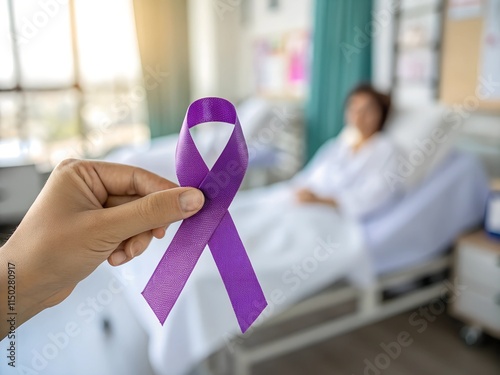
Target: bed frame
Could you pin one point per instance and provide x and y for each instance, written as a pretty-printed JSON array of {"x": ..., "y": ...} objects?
[{"x": 370, "y": 308}]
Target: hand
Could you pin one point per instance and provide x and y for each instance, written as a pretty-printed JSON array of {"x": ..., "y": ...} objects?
[
  {"x": 306, "y": 196},
  {"x": 88, "y": 212}
]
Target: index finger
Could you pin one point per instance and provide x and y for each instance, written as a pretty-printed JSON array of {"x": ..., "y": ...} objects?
[{"x": 121, "y": 179}]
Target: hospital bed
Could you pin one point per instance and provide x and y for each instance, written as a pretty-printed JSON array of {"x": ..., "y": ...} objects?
[
  {"x": 407, "y": 242},
  {"x": 446, "y": 195},
  {"x": 404, "y": 242}
]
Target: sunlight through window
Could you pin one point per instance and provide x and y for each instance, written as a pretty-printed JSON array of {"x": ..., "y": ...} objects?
[{"x": 66, "y": 83}]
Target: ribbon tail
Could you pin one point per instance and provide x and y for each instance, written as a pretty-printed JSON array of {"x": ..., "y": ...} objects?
[
  {"x": 172, "y": 272},
  {"x": 237, "y": 273}
]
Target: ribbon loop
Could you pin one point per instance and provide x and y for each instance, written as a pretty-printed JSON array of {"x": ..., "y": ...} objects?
[{"x": 213, "y": 224}]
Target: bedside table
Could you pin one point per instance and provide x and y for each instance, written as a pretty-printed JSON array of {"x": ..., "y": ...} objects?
[{"x": 477, "y": 272}]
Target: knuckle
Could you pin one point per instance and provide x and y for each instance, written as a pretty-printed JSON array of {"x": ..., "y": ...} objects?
[
  {"x": 68, "y": 166},
  {"x": 66, "y": 163},
  {"x": 144, "y": 210}
]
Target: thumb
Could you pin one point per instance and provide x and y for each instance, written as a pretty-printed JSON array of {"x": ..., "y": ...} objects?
[{"x": 152, "y": 211}]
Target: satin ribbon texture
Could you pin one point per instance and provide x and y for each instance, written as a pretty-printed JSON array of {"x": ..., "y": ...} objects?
[{"x": 213, "y": 224}]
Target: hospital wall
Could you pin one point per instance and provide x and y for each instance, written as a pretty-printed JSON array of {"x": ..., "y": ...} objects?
[
  {"x": 222, "y": 36},
  {"x": 222, "y": 63},
  {"x": 479, "y": 131}
]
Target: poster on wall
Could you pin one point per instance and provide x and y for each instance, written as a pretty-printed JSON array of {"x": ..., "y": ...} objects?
[
  {"x": 417, "y": 66},
  {"x": 282, "y": 64},
  {"x": 417, "y": 52},
  {"x": 490, "y": 54},
  {"x": 464, "y": 9}
]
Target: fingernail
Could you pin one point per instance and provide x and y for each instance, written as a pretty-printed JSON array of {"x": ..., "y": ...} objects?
[
  {"x": 119, "y": 257},
  {"x": 135, "y": 248},
  {"x": 191, "y": 200}
]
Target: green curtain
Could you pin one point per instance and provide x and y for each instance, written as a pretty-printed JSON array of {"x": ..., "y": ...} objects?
[
  {"x": 341, "y": 59},
  {"x": 163, "y": 44}
]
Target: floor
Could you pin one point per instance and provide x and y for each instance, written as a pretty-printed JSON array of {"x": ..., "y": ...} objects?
[{"x": 431, "y": 348}]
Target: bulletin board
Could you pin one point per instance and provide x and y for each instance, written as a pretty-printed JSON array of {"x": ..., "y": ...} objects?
[{"x": 461, "y": 53}]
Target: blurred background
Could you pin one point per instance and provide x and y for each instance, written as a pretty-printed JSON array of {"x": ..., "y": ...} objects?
[
  {"x": 71, "y": 76},
  {"x": 112, "y": 80}
]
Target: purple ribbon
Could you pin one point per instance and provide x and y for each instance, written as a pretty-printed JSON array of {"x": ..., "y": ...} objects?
[{"x": 212, "y": 225}]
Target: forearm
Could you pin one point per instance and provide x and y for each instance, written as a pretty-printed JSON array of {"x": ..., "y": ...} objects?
[{"x": 16, "y": 303}]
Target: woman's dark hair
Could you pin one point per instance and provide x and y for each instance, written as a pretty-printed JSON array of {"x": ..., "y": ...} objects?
[{"x": 382, "y": 100}]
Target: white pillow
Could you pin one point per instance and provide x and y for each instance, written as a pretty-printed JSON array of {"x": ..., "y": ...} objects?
[{"x": 423, "y": 139}]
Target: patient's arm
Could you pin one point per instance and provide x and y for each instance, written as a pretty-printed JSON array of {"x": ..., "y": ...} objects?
[{"x": 307, "y": 196}]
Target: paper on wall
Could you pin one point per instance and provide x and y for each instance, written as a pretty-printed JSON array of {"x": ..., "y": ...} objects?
[
  {"x": 463, "y": 9},
  {"x": 490, "y": 51}
]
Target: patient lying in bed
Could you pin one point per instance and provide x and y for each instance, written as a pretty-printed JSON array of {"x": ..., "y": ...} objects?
[
  {"x": 346, "y": 174},
  {"x": 348, "y": 171}
]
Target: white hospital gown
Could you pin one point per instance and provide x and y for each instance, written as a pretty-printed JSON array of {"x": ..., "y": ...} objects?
[{"x": 355, "y": 180}]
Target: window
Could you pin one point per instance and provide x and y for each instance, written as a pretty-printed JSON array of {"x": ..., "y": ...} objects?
[{"x": 70, "y": 80}]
